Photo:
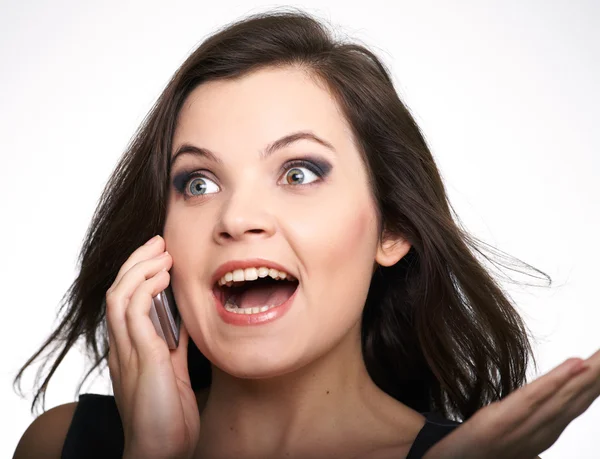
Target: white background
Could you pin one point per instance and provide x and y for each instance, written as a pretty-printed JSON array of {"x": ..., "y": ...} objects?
[{"x": 506, "y": 93}]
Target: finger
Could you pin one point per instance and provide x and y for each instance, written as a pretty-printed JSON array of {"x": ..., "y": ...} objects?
[
  {"x": 519, "y": 414},
  {"x": 526, "y": 400},
  {"x": 580, "y": 403},
  {"x": 140, "y": 272},
  {"x": 144, "y": 338},
  {"x": 576, "y": 397},
  {"x": 569, "y": 403},
  {"x": 547, "y": 421},
  {"x": 150, "y": 249},
  {"x": 594, "y": 360},
  {"x": 118, "y": 299}
]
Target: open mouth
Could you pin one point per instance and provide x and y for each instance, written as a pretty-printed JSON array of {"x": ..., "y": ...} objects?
[{"x": 254, "y": 290}]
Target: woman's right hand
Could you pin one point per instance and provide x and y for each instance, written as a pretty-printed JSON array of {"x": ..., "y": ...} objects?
[{"x": 151, "y": 383}]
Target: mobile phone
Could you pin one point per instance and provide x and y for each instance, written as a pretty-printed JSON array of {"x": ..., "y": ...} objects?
[{"x": 165, "y": 317}]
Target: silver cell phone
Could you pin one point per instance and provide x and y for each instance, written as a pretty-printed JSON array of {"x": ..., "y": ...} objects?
[{"x": 165, "y": 317}]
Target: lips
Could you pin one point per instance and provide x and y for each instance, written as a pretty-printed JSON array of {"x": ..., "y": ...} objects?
[
  {"x": 232, "y": 265},
  {"x": 253, "y": 298}
]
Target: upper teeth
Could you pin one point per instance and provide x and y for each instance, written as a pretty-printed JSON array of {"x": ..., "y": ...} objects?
[{"x": 250, "y": 274}]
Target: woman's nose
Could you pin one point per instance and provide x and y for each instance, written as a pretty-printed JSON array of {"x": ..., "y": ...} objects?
[{"x": 244, "y": 216}]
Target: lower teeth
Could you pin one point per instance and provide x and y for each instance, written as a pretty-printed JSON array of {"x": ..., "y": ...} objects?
[{"x": 231, "y": 307}]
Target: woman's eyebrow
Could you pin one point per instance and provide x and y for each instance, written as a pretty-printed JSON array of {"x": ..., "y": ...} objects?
[{"x": 280, "y": 143}]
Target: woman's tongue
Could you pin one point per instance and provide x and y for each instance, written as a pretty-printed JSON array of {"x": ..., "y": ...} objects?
[{"x": 264, "y": 295}]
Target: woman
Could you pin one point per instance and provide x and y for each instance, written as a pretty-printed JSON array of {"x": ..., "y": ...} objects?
[{"x": 331, "y": 306}]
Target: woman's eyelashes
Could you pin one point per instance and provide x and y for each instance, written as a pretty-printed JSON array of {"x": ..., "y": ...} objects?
[
  {"x": 191, "y": 184},
  {"x": 293, "y": 173}
]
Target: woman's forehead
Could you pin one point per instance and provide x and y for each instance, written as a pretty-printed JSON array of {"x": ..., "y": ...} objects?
[{"x": 259, "y": 107}]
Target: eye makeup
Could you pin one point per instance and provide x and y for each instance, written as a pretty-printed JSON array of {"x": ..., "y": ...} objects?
[
  {"x": 181, "y": 179},
  {"x": 320, "y": 167}
]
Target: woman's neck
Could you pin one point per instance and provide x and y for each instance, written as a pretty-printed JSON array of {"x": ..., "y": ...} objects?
[{"x": 315, "y": 407}]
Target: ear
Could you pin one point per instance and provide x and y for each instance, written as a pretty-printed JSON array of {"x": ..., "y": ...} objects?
[{"x": 391, "y": 249}]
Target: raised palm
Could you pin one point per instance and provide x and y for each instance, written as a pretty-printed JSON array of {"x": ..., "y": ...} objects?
[{"x": 528, "y": 421}]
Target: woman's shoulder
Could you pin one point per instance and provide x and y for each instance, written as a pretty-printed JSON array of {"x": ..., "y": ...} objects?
[
  {"x": 46, "y": 435},
  {"x": 96, "y": 429},
  {"x": 89, "y": 428}
]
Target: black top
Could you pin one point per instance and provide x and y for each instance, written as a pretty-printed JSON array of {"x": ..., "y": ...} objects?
[{"x": 96, "y": 431}]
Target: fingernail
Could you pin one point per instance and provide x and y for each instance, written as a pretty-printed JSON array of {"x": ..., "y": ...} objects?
[{"x": 152, "y": 240}]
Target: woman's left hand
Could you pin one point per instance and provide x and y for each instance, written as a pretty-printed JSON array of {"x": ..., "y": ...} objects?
[{"x": 529, "y": 420}]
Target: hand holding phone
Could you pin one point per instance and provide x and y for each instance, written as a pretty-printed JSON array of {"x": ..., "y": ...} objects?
[
  {"x": 165, "y": 317},
  {"x": 150, "y": 380}
]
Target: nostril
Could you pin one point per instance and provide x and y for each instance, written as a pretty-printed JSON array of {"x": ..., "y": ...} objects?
[{"x": 227, "y": 236}]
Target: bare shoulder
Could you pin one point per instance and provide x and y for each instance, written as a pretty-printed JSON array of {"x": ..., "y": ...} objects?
[{"x": 45, "y": 436}]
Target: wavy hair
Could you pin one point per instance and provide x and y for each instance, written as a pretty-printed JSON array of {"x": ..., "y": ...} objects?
[{"x": 438, "y": 331}]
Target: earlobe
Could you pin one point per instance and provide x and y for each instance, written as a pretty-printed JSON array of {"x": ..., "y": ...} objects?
[{"x": 391, "y": 250}]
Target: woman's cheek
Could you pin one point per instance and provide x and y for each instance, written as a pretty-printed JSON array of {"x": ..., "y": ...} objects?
[
  {"x": 341, "y": 232},
  {"x": 337, "y": 249},
  {"x": 182, "y": 243}
]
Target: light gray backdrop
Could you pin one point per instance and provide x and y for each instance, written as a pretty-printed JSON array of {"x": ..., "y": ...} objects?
[{"x": 506, "y": 93}]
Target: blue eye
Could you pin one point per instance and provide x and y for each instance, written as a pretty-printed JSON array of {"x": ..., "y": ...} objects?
[
  {"x": 194, "y": 184},
  {"x": 199, "y": 185}
]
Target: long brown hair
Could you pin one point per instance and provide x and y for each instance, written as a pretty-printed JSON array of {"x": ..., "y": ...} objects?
[{"x": 438, "y": 332}]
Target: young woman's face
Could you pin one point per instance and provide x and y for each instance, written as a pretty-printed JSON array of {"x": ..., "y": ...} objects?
[{"x": 304, "y": 206}]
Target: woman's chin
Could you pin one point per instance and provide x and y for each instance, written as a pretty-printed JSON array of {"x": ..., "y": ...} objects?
[{"x": 257, "y": 366}]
